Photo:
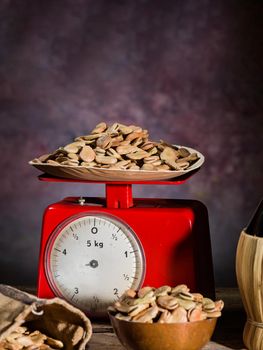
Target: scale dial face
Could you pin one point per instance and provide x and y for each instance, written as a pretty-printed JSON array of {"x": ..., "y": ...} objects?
[{"x": 92, "y": 259}]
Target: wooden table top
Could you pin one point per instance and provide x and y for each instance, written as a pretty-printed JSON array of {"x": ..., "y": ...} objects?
[{"x": 227, "y": 335}]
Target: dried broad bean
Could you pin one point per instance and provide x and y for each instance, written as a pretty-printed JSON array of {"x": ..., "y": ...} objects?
[
  {"x": 165, "y": 305},
  {"x": 23, "y": 339},
  {"x": 118, "y": 143}
]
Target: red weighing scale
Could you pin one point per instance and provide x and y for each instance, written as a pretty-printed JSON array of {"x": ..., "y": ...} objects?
[{"x": 93, "y": 249}]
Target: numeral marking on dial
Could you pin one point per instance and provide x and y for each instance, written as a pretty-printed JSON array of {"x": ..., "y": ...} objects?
[
  {"x": 94, "y": 230},
  {"x": 96, "y": 299},
  {"x": 126, "y": 277},
  {"x": 116, "y": 292}
]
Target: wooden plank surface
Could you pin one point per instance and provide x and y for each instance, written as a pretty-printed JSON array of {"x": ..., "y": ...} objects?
[
  {"x": 229, "y": 329},
  {"x": 108, "y": 341}
]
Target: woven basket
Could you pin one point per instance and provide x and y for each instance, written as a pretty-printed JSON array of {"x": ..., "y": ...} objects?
[{"x": 249, "y": 270}]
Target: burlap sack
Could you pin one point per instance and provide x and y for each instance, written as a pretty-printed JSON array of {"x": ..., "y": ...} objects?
[{"x": 53, "y": 317}]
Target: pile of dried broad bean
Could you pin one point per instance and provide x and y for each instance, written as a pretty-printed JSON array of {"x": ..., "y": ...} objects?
[
  {"x": 23, "y": 339},
  {"x": 165, "y": 305},
  {"x": 120, "y": 147}
]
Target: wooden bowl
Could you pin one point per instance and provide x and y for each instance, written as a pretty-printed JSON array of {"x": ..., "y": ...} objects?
[{"x": 163, "y": 336}]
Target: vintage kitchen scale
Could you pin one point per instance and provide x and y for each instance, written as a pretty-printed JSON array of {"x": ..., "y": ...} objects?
[{"x": 93, "y": 249}]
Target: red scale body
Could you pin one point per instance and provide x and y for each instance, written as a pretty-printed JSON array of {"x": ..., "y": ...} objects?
[{"x": 174, "y": 234}]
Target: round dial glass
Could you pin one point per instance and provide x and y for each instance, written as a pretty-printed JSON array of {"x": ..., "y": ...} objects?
[{"x": 92, "y": 259}]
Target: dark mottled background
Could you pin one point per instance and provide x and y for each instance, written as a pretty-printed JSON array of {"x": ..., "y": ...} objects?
[{"x": 189, "y": 71}]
